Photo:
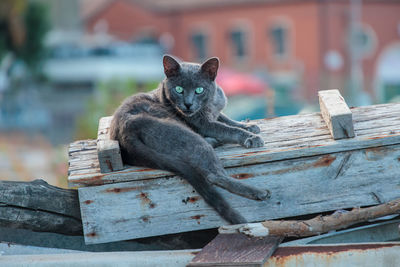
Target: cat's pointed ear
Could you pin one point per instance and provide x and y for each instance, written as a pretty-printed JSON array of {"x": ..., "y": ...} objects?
[
  {"x": 210, "y": 68},
  {"x": 171, "y": 66}
]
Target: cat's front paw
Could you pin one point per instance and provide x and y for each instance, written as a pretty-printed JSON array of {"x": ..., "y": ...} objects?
[
  {"x": 253, "y": 141},
  {"x": 253, "y": 128}
]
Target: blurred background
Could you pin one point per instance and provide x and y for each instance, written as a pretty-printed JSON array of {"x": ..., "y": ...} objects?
[{"x": 66, "y": 63}]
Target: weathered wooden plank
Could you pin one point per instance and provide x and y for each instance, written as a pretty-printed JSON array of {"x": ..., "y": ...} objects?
[
  {"x": 91, "y": 176},
  {"x": 39, "y": 206},
  {"x": 298, "y": 186},
  {"x": 285, "y": 138},
  {"x": 336, "y": 114},
  {"x": 236, "y": 250},
  {"x": 108, "y": 151},
  {"x": 82, "y": 145}
]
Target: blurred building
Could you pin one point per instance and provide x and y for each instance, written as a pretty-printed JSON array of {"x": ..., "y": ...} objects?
[{"x": 303, "y": 45}]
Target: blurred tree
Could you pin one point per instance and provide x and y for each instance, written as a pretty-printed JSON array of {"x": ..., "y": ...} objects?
[
  {"x": 36, "y": 25},
  {"x": 109, "y": 95},
  {"x": 12, "y": 30},
  {"x": 23, "y": 26}
]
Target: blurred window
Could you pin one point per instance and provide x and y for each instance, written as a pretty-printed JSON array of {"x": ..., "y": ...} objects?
[
  {"x": 238, "y": 40},
  {"x": 279, "y": 39},
  {"x": 363, "y": 41},
  {"x": 199, "y": 43}
]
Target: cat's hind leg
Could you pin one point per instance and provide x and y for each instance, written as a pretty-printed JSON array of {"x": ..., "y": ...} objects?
[
  {"x": 180, "y": 147},
  {"x": 170, "y": 145}
]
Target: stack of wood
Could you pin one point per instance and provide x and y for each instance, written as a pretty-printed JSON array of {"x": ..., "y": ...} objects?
[{"x": 336, "y": 159}]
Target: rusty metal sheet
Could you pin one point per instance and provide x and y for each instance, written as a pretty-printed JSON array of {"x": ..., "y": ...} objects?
[{"x": 347, "y": 255}]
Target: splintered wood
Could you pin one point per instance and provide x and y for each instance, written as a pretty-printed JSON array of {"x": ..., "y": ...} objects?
[
  {"x": 336, "y": 114},
  {"x": 304, "y": 168}
]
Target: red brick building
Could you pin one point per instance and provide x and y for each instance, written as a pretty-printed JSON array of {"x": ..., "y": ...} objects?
[{"x": 303, "y": 45}]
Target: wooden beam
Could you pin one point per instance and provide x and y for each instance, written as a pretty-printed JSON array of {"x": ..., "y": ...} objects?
[
  {"x": 40, "y": 207},
  {"x": 336, "y": 114},
  {"x": 108, "y": 151},
  {"x": 236, "y": 250}
]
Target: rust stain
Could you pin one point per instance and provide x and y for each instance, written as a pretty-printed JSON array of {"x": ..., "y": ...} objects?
[
  {"x": 378, "y": 150},
  {"x": 91, "y": 178},
  {"x": 248, "y": 154},
  {"x": 144, "y": 198},
  {"x": 255, "y": 152},
  {"x": 92, "y": 234},
  {"x": 283, "y": 252},
  {"x": 242, "y": 175},
  {"x": 145, "y": 170},
  {"x": 190, "y": 199},
  {"x": 121, "y": 190},
  {"x": 145, "y": 218},
  {"x": 315, "y": 146},
  {"x": 197, "y": 217},
  {"x": 88, "y": 202},
  {"x": 297, "y": 168},
  {"x": 109, "y": 165},
  {"x": 380, "y": 137},
  {"x": 375, "y": 153},
  {"x": 146, "y": 201},
  {"x": 324, "y": 161}
]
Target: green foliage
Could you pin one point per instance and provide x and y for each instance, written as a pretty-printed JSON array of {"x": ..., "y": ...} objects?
[
  {"x": 23, "y": 32},
  {"x": 107, "y": 98},
  {"x": 36, "y": 25}
]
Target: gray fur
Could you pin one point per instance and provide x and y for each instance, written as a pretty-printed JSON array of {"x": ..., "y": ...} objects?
[{"x": 173, "y": 131}]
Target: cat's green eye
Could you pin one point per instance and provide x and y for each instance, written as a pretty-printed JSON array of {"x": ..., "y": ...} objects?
[
  {"x": 179, "y": 89},
  {"x": 199, "y": 90}
]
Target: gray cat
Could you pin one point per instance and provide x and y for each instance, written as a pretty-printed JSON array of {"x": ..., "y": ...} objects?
[{"x": 175, "y": 127}]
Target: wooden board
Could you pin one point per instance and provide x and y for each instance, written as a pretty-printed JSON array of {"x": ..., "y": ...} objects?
[
  {"x": 336, "y": 114},
  {"x": 298, "y": 186},
  {"x": 285, "y": 138},
  {"x": 108, "y": 152},
  {"x": 40, "y": 207},
  {"x": 236, "y": 250}
]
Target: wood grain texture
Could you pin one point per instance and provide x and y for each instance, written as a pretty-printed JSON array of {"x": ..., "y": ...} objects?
[
  {"x": 336, "y": 114},
  {"x": 299, "y": 186},
  {"x": 236, "y": 250},
  {"x": 108, "y": 151},
  {"x": 39, "y": 206},
  {"x": 285, "y": 138}
]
